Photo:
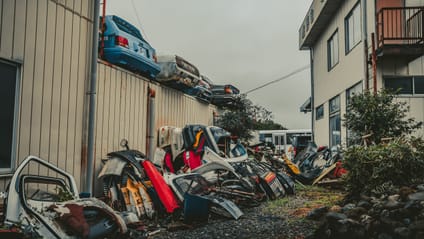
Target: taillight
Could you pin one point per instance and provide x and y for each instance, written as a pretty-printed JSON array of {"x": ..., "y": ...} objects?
[
  {"x": 294, "y": 151},
  {"x": 228, "y": 90},
  {"x": 121, "y": 41},
  {"x": 155, "y": 58}
]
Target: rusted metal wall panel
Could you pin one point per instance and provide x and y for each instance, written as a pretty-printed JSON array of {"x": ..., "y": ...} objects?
[
  {"x": 121, "y": 110},
  {"x": 50, "y": 40}
]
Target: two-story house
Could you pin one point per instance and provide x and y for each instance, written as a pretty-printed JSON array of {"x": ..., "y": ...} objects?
[{"x": 358, "y": 45}]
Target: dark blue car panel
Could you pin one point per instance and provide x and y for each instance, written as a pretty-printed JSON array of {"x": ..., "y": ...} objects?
[{"x": 124, "y": 45}]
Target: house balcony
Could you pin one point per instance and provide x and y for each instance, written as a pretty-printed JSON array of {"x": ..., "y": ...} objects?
[
  {"x": 320, "y": 13},
  {"x": 400, "y": 32}
]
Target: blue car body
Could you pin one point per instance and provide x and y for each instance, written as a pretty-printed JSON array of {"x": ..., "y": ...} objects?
[
  {"x": 202, "y": 91},
  {"x": 125, "y": 46}
]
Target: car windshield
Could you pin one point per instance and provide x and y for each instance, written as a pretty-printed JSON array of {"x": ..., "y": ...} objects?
[{"x": 127, "y": 27}]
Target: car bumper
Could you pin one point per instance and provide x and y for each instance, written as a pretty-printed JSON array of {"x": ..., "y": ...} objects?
[{"x": 131, "y": 60}]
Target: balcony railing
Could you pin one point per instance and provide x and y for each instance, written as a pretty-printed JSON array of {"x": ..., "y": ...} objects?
[{"x": 400, "y": 27}]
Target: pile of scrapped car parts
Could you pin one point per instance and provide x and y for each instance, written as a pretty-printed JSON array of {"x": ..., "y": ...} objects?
[
  {"x": 50, "y": 207},
  {"x": 197, "y": 171}
]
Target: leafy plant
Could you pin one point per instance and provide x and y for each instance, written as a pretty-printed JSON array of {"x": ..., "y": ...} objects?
[
  {"x": 380, "y": 115},
  {"x": 383, "y": 168},
  {"x": 244, "y": 118}
]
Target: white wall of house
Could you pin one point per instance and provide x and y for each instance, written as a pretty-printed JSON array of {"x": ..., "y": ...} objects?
[
  {"x": 350, "y": 69},
  {"x": 345, "y": 74}
]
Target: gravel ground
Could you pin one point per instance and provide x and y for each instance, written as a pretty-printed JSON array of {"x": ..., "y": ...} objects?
[{"x": 282, "y": 218}]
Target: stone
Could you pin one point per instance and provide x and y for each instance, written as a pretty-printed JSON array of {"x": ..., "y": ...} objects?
[
  {"x": 384, "y": 236},
  {"x": 335, "y": 208},
  {"x": 348, "y": 207},
  {"x": 334, "y": 216},
  {"x": 404, "y": 193},
  {"x": 356, "y": 213},
  {"x": 364, "y": 204},
  {"x": 420, "y": 187},
  {"x": 317, "y": 213},
  {"x": 402, "y": 232},
  {"x": 417, "y": 225},
  {"x": 418, "y": 196},
  {"x": 394, "y": 197},
  {"x": 392, "y": 202}
]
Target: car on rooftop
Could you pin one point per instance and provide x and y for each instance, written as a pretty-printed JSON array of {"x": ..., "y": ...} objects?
[
  {"x": 202, "y": 91},
  {"x": 177, "y": 72},
  {"x": 122, "y": 44},
  {"x": 225, "y": 95}
]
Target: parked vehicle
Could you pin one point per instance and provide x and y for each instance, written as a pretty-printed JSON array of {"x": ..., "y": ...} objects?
[
  {"x": 124, "y": 45},
  {"x": 177, "y": 73},
  {"x": 202, "y": 91},
  {"x": 225, "y": 95},
  {"x": 290, "y": 141}
]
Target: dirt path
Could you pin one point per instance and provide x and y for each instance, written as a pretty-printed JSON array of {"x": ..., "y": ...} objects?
[{"x": 282, "y": 218}]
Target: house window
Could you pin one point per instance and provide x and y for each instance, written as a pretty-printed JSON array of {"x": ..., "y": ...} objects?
[
  {"x": 319, "y": 112},
  {"x": 354, "y": 90},
  {"x": 405, "y": 85},
  {"x": 353, "y": 28},
  {"x": 8, "y": 103},
  {"x": 333, "y": 50},
  {"x": 335, "y": 125},
  {"x": 351, "y": 138}
]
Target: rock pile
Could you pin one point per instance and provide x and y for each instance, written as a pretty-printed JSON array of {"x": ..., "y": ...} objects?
[{"x": 387, "y": 217}]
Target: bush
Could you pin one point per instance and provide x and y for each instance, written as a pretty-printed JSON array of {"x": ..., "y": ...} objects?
[{"x": 379, "y": 168}]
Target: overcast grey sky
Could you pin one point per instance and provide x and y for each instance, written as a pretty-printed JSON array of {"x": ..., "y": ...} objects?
[{"x": 243, "y": 42}]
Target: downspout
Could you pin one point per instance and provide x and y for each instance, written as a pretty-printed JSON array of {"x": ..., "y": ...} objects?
[
  {"x": 92, "y": 96},
  {"x": 151, "y": 123},
  {"x": 311, "y": 56},
  {"x": 365, "y": 42}
]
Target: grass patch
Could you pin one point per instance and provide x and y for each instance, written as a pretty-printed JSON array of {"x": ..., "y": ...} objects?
[{"x": 306, "y": 199}]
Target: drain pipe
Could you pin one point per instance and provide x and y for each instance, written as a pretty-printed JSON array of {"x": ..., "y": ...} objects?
[
  {"x": 365, "y": 43},
  {"x": 92, "y": 94},
  {"x": 151, "y": 123},
  {"x": 311, "y": 56}
]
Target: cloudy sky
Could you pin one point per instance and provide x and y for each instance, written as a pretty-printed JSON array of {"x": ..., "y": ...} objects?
[{"x": 243, "y": 42}]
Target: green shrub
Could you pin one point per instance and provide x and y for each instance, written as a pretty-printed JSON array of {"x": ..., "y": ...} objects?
[{"x": 383, "y": 168}]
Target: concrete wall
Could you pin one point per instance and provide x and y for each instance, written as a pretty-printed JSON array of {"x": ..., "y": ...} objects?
[
  {"x": 345, "y": 74},
  {"x": 350, "y": 70}
]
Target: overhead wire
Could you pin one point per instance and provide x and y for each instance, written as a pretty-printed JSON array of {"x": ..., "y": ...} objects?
[
  {"x": 279, "y": 79},
  {"x": 139, "y": 21}
]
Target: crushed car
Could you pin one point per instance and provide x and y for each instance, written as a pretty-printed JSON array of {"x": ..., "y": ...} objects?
[
  {"x": 176, "y": 72},
  {"x": 45, "y": 206}
]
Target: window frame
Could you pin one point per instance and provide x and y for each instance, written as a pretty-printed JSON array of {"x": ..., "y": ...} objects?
[
  {"x": 411, "y": 78},
  {"x": 350, "y": 134},
  {"x": 333, "y": 114},
  {"x": 349, "y": 48},
  {"x": 321, "y": 115},
  {"x": 18, "y": 67},
  {"x": 330, "y": 66}
]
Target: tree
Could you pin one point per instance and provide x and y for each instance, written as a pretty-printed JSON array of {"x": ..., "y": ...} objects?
[
  {"x": 238, "y": 120},
  {"x": 245, "y": 117},
  {"x": 379, "y": 115}
]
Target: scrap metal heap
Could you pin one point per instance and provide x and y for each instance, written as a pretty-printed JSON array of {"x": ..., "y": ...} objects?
[{"x": 196, "y": 171}]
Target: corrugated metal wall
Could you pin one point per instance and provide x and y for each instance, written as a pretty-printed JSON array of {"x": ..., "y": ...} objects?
[
  {"x": 122, "y": 110},
  {"x": 51, "y": 39}
]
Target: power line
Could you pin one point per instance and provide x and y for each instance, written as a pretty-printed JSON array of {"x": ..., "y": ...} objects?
[
  {"x": 279, "y": 79},
  {"x": 139, "y": 21}
]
